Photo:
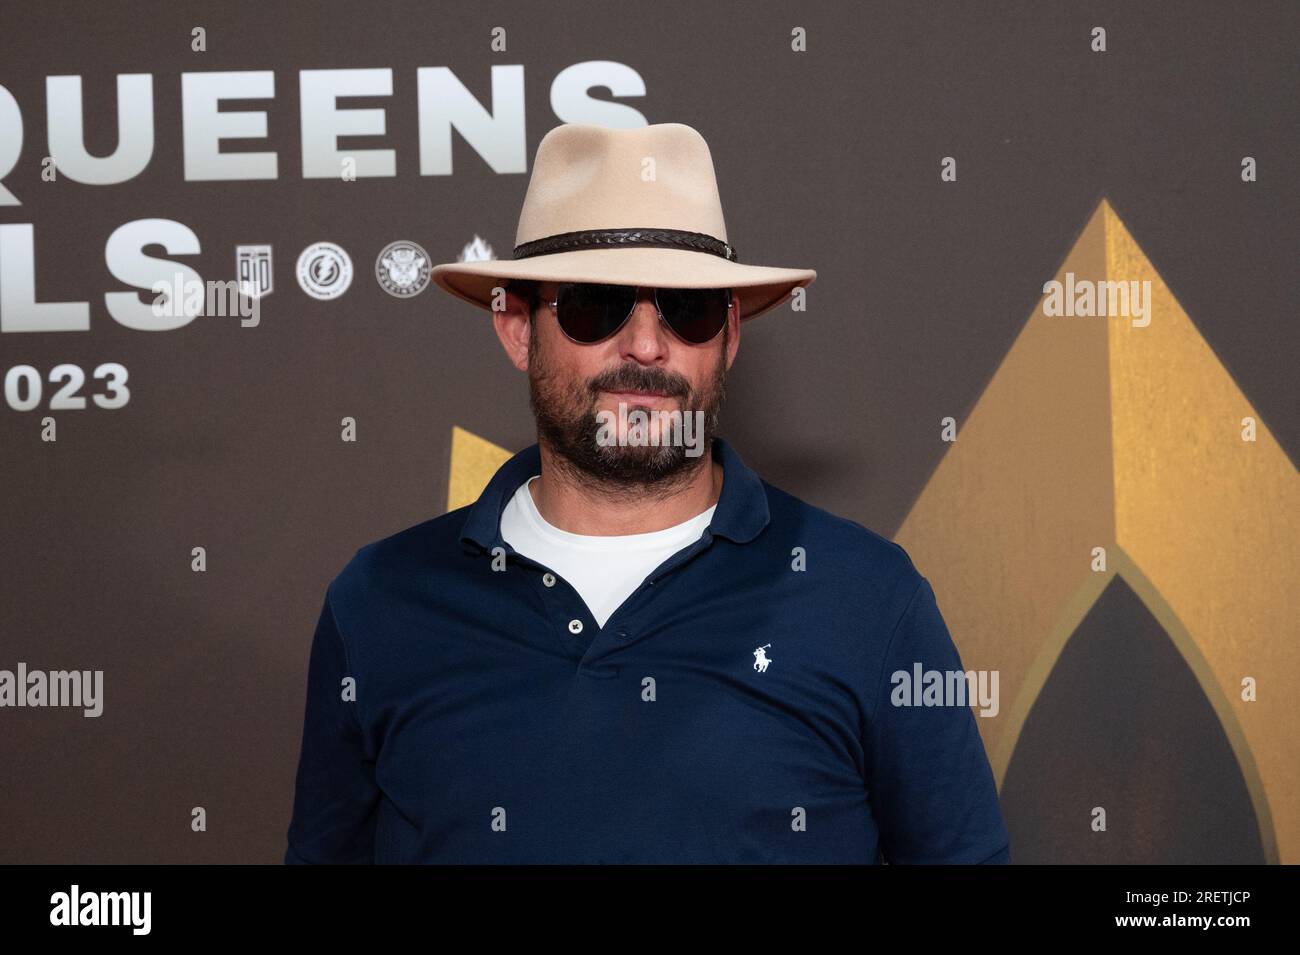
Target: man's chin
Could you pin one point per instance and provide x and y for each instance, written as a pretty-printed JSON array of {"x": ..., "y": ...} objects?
[{"x": 634, "y": 464}]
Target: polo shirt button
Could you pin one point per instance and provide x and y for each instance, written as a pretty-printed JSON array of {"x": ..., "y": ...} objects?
[
  {"x": 548, "y": 579},
  {"x": 575, "y": 625}
]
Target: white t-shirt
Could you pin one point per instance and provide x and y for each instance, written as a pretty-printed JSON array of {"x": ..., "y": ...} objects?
[{"x": 604, "y": 570}]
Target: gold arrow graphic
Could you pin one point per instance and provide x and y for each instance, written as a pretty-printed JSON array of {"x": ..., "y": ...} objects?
[{"x": 1101, "y": 431}]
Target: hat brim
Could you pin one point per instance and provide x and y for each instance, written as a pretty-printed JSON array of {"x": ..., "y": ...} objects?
[{"x": 759, "y": 287}]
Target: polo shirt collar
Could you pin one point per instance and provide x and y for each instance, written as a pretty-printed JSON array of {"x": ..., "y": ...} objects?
[{"x": 740, "y": 515}]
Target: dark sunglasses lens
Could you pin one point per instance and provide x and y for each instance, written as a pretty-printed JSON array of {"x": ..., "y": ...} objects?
[
  {"x": 696, "y": 314},
  {"x": 589, "y": 312}
]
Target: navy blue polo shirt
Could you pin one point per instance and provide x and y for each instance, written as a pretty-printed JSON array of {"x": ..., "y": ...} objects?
[{"x": 463, "y": 706}]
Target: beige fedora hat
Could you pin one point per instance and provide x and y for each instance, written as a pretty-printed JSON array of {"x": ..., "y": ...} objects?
[{"x": 624, "y": 207}]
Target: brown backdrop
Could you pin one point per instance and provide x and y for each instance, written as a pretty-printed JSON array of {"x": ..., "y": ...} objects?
[{"x": 828, "y": 158}]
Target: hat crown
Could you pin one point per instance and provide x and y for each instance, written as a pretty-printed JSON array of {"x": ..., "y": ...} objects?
[{"x": 595, "y": 177}]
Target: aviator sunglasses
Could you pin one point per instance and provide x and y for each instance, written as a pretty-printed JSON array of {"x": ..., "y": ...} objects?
[{"x": 589, "y": 312}]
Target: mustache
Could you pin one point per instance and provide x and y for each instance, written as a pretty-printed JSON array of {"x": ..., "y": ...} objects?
[{"x": 628, "y": 378}]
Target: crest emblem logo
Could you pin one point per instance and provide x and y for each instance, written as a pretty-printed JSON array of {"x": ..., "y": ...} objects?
[
  {"x": 324, "y": 270},
  {"x": 254, "y": 271},
  {"x": 402, "y": 269}
]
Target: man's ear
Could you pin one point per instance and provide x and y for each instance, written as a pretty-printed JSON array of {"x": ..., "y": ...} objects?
[
  {"x": 514, "y": 327},
  {"x": 733, "y": 328}
]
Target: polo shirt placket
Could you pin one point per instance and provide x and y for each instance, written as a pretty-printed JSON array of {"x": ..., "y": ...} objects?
[{"x": 572, "y": 617}]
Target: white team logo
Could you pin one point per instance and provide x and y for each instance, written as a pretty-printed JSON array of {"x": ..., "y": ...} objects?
[
  {"x": 402, "y": 269},
  {"x": 760, "y": 658},
  {"x": 253, "y": 269},
  {"x": 324, "y": 270},
  {"x": 476, "y": 251}
]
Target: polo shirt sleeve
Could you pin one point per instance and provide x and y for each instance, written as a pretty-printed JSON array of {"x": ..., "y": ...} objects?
[
  {"x": 335, "y": 796},
  {"x": 930, "y": 784}
]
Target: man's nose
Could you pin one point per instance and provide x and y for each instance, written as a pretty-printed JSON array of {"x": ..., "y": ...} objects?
[{"x": 644, "y": 334}]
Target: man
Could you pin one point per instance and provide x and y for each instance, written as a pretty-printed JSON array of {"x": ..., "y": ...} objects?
[{"x": 631, "y": 648}]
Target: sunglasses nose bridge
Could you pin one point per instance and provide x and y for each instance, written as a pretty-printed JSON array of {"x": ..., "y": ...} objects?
[{"x": 645, "y": 295}]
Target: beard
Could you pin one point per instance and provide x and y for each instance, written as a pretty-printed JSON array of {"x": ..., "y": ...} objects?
[{"x": 568, "y": 423}]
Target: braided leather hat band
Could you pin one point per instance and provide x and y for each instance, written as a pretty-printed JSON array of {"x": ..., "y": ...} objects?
[{"x": 614, "y": 238}]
